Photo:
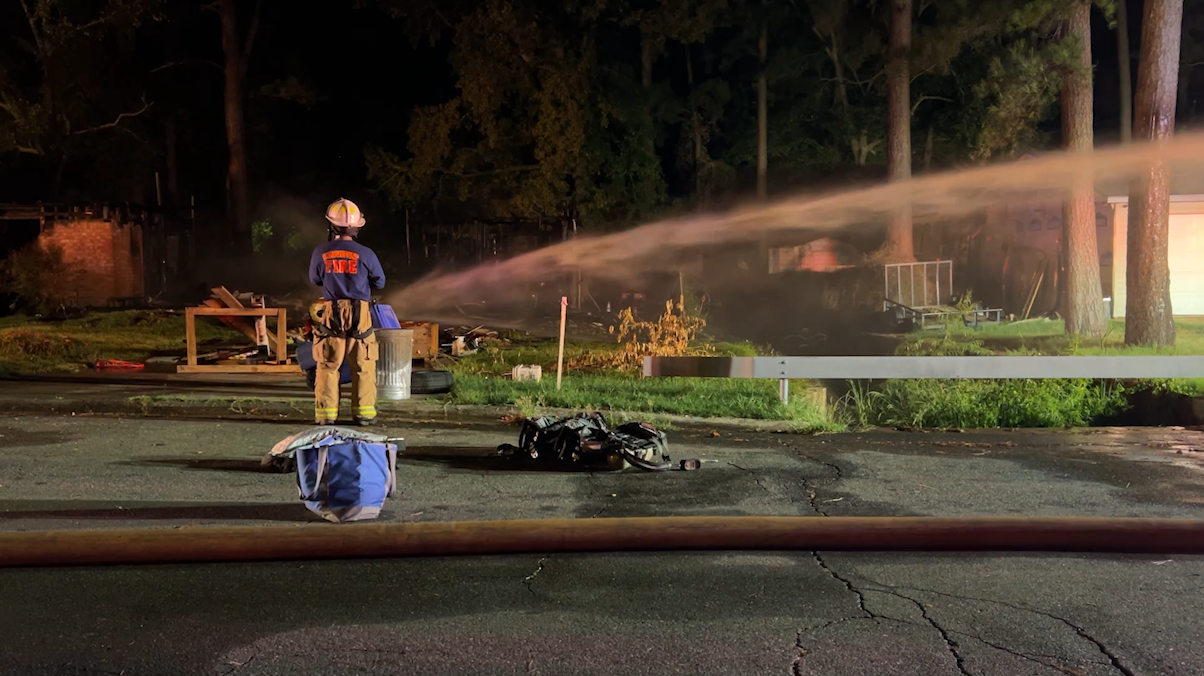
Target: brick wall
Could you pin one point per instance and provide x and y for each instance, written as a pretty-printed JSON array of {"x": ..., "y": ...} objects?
[{"x": 103, "y": 259}]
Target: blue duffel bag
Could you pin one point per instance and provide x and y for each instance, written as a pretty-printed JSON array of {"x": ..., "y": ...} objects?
[{"x": 342, "y": 474}]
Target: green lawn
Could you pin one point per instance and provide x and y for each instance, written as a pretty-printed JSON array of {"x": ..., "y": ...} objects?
[
  {"x": 1049, "y": 337},
  {"x": 591, "y": 383},
  {"x": 708, "y": 398},
  {"x": 32, "y": 346}
]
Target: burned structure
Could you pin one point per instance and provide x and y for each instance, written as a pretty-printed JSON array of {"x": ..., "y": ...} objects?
[{"x": 112, "y": 254}]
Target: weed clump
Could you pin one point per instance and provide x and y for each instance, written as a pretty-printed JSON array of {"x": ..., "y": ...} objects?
[{"x": 673, "y": 334}]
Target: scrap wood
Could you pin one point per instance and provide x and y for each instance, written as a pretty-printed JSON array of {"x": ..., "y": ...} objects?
[
  {"x": 236, "y": 323},
  {"x": 259, "y": 333}
]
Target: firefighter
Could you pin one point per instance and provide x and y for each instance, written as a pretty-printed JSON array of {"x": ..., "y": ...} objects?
[{"x": 347, "y": 271}]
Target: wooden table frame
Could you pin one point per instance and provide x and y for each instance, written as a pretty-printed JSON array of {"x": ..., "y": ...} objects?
[{"x": 281, "y": 365}]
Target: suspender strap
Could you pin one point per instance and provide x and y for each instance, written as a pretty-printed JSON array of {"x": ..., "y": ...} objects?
[{"x": 356, "y": 309}]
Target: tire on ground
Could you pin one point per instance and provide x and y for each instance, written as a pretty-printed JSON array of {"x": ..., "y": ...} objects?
[
  {"x": 421, "y": 382},
  {"x": 428, "y": 381}
]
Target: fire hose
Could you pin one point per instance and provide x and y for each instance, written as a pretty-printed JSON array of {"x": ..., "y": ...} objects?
[{"x": 642, "y": 534}]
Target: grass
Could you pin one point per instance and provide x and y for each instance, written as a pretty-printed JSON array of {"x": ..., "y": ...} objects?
[
  {"x": 1049, "y": 337},
  {"x": 1014, "y": 403},
  {"x": 706, "y": 398},
  {"x": 590, "y": 383},
  {"x": 985, "y": 403},
  {"x": 29, "y": 345}
]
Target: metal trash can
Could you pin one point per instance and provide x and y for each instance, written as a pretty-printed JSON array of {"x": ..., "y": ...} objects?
[{"x": 395, "y": 364}]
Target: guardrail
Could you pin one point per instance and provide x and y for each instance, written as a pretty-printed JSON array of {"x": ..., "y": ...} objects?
[{"x": 785, "y": 369}]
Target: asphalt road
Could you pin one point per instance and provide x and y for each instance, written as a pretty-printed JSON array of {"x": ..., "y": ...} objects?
[{"x": 826, "y": 614}]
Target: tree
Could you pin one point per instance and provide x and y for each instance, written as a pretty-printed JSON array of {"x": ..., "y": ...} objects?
[
  {"x": 1083, "y": 303},
  {"x": 899, "y": 242},
  {"x": 74, "y": 92},
  {"x": 763, "y": 110},
  {"x": 543, "y": 125},
  {"x": 691, "y": 23},
  {"x": 1125, "y": 57},
  {"x": 1149, "y": 318},
  {"x": 237, "y": 50}
]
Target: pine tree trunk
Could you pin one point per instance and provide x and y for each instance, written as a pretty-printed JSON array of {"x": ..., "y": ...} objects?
[
  {"x": 1126, "y": 73},
  {"x": 928, "y": 143},
  {"x": 171, "y": 142},
  {"x": 1148, "y": 316},
  {"x": 695, "y": 124},
  {"x": 647, "y": 56},
  {"x": 1082, "y": 295},
  {"x": 899, "y": 240},
  {"x": 237, "y": 180},
  {"x": 763, "y": 115}
]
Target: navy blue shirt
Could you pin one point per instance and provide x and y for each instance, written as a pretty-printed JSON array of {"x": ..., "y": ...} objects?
[{"x": 346, "y": 270}]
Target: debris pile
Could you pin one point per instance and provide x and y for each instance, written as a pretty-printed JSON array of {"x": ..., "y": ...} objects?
[
  {"x": 459, "y": 341},
  {"x": 254, "y": 328}
]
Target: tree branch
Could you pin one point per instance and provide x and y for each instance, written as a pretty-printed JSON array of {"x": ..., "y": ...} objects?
[
  {"x": 491, "y": 172},
  {"x": 861, "y": 84},
  {"x": 116, "y": 122},
  {"x": 173, "y": 64},
  {"x": 33, "y": 28},
  {"x": 926, "y": 97},
  {"x": 250, "y": 42},
  {"x": 84, "y": 28}
]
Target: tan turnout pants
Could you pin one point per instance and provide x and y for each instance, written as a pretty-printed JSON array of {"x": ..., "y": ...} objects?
[{"x": 330, "y": 352}]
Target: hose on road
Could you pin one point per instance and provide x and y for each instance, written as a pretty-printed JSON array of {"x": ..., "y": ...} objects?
[{"x": 646, "y": 534}]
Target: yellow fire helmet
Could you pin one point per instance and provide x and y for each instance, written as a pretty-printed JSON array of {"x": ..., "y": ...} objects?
[
  {"x": 317, "y": 312},
  {"x": 344, "y": 214}
]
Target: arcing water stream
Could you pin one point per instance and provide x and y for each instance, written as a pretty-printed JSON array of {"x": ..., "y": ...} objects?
[{"x": 654, "y": 247}]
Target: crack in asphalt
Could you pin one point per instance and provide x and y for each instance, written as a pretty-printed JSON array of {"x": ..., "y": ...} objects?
[
  {"x": 946, "y": 635},
  {"x": 848, "y": 584},
  {"x": 235, "y": 666},
  {"x": 800, "y": 453},
  {"x": 1113, "y": 659},
  {"x": 1014, "y": 653},
  {"x": 812, "y": 498},
  {"x": 529, "y": 580},
  {"x": 756, "y": 477},
  {"x": 796, "y": 667},
  {"x": 831, "y": 623}
]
